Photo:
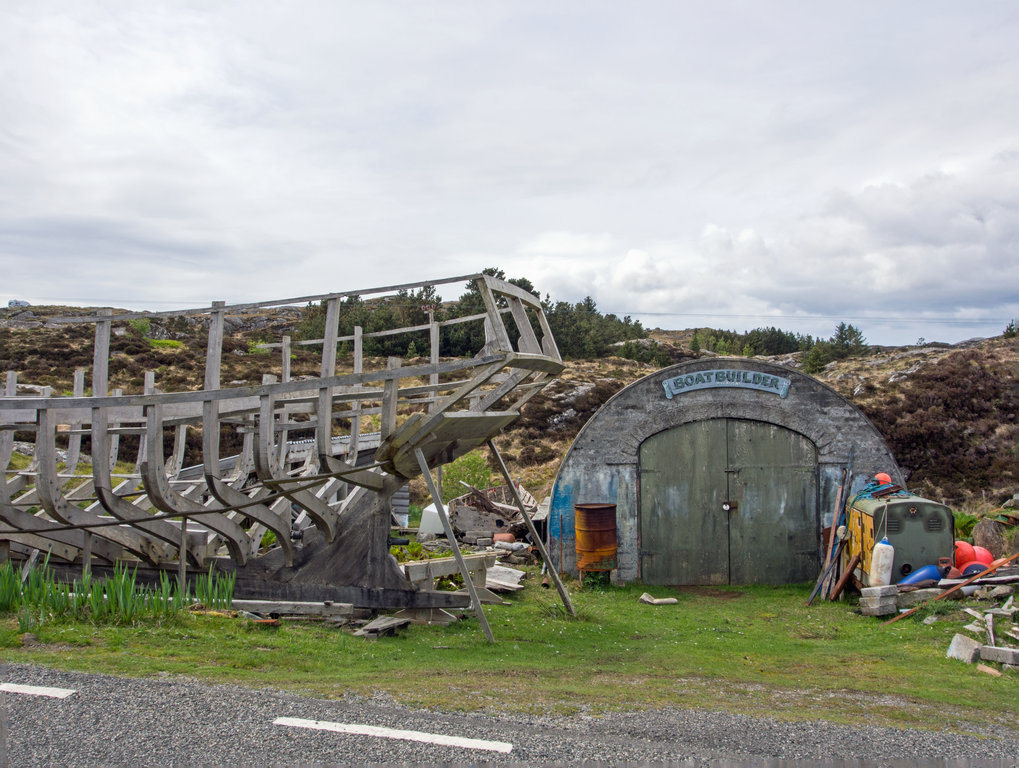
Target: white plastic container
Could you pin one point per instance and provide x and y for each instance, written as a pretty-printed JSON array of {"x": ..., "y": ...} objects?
[
  {"x": 881, "y": 560},
  {"x": 430, "y": 522}
]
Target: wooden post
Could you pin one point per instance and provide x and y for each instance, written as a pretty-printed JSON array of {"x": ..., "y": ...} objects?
[
  {"x": 101, "y": 356},
  {"x": 433, "y": 338},
  {"x": 86, "y": 554},
  {"x": 7, "y": 438},
  {"x": 214, "y": 352},
  {"x": 284, "y": 434},
  {"x": 210, "y": 408},
  {"x": 444, "y": 518},
  {"x": 355, "y": 407},
  {"x": 324, "y": 428},
  {"x": 285, "y": 366},
  {"x": 390, "y": 394},
  {"x": 182, "y": 566},
  {"x": 532, "y": 530}
]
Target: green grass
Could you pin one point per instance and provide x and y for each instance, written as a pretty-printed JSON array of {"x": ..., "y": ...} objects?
[
  {"x": 754, "y": 650},
  {"x": 165, "y": 344}
]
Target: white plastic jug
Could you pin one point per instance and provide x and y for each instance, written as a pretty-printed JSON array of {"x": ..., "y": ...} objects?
[{"x": 881, "y": 560}]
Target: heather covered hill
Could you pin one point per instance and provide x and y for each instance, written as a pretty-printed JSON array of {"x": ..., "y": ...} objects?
[{"x": 947, "y": 412}]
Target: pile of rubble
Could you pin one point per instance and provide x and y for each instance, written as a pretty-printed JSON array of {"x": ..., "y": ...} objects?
[
  {"x": 991, "y": 627},
  {"x": 485, "y": 520},
  {"x": 993, "y": 632}
]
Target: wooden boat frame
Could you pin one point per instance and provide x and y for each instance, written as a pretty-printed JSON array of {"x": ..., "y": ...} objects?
[{"x": 327, "y": 507}]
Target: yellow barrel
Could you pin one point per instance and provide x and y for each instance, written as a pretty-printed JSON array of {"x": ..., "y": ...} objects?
[{"x": 595, "y": 525}]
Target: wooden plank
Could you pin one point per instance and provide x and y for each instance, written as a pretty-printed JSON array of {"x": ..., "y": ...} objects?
[
  {"x": 294, "y": 608},
  {"x": 437, "y": 500}
]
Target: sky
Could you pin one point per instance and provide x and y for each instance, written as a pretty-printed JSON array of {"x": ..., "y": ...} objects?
[{"x": 690, "y": 164}]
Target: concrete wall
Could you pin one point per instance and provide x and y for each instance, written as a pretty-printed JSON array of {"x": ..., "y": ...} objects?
[{"x": 601, "y": 465}]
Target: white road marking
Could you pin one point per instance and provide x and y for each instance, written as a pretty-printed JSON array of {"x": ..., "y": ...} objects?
[
  {"x": 390, "y": 733},
  {"x": 36, "y": 690}
]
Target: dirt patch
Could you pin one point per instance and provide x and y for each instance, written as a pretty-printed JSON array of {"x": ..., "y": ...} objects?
[{"x": 710, "y": 592}]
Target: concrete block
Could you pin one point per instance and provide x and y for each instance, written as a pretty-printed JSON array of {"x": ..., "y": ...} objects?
[
  {"x": 1000, "y": 655},
  {"x": 878, "y": 610},
  {"x": 874, "y": 602},
  {"x": 964, "y": 649},
  {"x": 917, "y": 596},
  {"x": 891, "y": 589}
]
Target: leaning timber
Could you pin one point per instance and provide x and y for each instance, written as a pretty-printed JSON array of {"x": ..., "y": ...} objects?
[{"x": 326, "y": 501}]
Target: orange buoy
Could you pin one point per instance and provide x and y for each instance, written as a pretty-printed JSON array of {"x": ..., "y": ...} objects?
[
  {"x": 982, "y": 555},
  {"x": 963, "y": 554}
]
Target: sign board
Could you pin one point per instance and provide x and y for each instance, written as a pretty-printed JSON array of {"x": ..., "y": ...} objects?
[{"x": 726, "y": 377}]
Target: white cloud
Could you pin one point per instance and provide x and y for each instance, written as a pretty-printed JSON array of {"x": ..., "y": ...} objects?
[
  {"x": 551, "y": 244},
  {"x": 782, "y": 160}
]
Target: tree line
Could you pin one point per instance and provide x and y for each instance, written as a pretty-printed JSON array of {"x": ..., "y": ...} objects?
[{"x": 579, "y": 329}]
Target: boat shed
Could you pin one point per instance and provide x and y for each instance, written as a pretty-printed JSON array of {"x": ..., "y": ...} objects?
[{"x": 721, "y": 470}]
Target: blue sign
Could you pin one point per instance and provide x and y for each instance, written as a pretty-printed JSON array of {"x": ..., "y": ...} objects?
[{"x": 726, "y": 377}]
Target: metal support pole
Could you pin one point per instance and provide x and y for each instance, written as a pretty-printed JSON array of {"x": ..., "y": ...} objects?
[
  {"x": 437, "y": 500},
  {"x": 533, "y": 531}
]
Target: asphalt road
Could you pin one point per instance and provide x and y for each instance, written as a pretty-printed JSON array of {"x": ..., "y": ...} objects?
[{"x": 109, "y": 721}]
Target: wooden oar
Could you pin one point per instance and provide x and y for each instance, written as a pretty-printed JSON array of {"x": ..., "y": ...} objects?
[
  {"x": 828, "y": 570},
  {"x": 845, "y": 485},
  {"x": 841, "y": 583}
]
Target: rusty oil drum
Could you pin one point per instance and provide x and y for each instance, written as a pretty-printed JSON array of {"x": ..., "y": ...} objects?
[{"x": 595, "y": 525}]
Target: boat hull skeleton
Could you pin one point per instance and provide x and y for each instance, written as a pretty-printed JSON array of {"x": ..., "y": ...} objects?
[{"x": 326, "y": 502}]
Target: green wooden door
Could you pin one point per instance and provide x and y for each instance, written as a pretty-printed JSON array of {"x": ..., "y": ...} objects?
[{"x": 765, "y": 474}]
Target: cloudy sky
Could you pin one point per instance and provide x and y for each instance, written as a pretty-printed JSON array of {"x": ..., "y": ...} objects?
[{"x": 724, "y": 164}]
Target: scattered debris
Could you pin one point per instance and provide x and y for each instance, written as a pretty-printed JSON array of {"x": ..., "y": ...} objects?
[
  {"x": 988, "y": 670},
  {"x": 276, "y": 609},
  {"x": 503, "y": 579},
  {"x": 646, "y": 598},
  {"x": 480, "y": 514},
  {"x": 988, "y": 645},
  {"x": 383, "y": 625}
]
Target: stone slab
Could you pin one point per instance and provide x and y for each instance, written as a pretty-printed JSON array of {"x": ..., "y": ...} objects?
[
  {"x": 879, "y": 610},
  {"x": 964, "y": 649},
  {"x": 874, "y": 602},
  {"x": 916, "y": 597},
  {"x": 879, "y": 591},
  {"x": 1000, "y": 655}
]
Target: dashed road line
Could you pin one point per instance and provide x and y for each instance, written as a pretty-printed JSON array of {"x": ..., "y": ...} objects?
[
  {"x": 36, "y": 690},
  {"x": 391, "y": 733}
]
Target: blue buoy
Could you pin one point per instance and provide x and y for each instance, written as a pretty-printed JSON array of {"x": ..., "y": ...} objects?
[{"x": 927, "y": 573}]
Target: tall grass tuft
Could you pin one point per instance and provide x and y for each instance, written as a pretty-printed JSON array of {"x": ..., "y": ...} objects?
[
  {"x": 215, "y": 591},
  {"x": 116, "y": 599},
  {"x": 122, "y": 599}
]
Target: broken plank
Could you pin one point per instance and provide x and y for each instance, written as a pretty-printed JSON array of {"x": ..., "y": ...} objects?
[
  {"x": 383, "y": 625},
  {"x": 988, "y": 670}
]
